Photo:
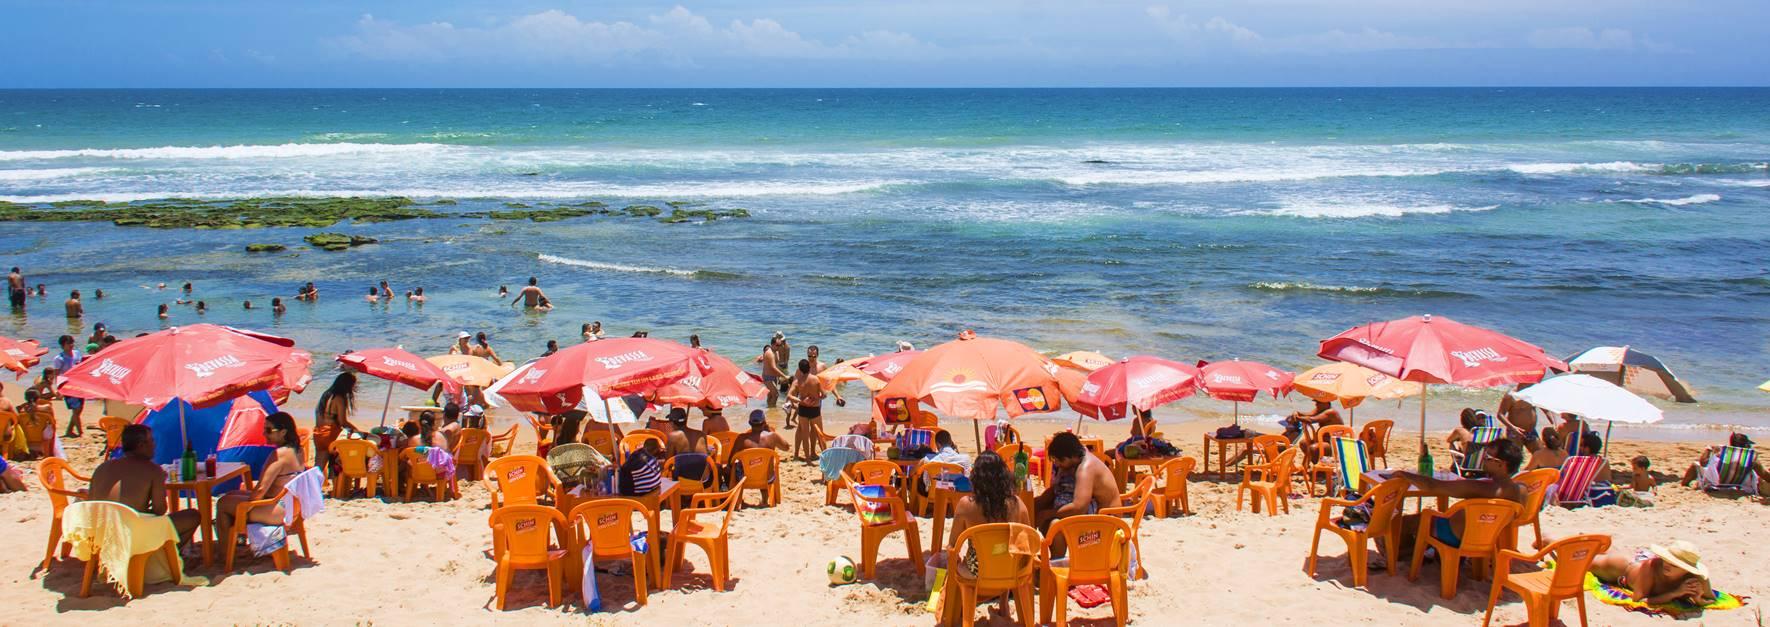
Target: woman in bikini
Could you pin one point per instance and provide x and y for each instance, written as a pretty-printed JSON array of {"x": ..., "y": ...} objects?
[
  {"x": 285, "y": 463},
  {"x": 1658, "y": 574},
  {"x": 331, "y": 417},
  {"x": 992, "y": 500},
  {"x": 483, "y": 348}
]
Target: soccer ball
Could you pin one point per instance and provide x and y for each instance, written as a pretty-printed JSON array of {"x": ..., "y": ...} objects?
[{"x": 842, "y": 571}]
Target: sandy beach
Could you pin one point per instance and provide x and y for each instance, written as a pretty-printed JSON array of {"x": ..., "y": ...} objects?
[{"x": 416, "y": 563}]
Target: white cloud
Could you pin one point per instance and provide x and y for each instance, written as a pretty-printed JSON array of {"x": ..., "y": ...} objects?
[
  {"x": 1585, "y": 38},
  {"x": 678, "y": 36},
  {"x": 1219, "y": 31}
]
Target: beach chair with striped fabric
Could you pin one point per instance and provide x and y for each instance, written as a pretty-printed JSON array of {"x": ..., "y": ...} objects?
[
  {"x": 1470, "y": 464},
  {"x": 1575, "y": 487},
  {"x": 1733, "y": 470},
  {"x": 909, "y": 439},
  {"x": 1352, "y": 459}
]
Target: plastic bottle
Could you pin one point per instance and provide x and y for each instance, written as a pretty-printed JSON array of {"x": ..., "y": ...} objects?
[
  {"x": 187, "y": 465},
  {"x": 1020, "y": 467}
]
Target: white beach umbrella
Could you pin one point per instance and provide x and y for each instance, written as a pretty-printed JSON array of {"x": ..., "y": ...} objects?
[
  {"x": 1590, "y": 398},
  {"x": 621, "y": 408}
]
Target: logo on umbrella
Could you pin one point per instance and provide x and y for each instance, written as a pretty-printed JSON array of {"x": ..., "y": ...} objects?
[
  {"x": 398, "y": 363},
  {"x": 617, "y": 361},
  {"x": 1473, "y": 358},
  {"x": 959, "y": 382},
  {"x": 111, "y": 369},
  {"x": 1032, "y": 399},
  {"x": 533, "y": 375},
  {"x": 208, "y": 368},
  {"x": 1225, "y": 378}
]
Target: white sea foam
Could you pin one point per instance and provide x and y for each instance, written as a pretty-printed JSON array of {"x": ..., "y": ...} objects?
[
  {"x": 1744, "y": 182},
  {"x": 1340, "y": 209},
  {"x": 220, "y": 152},
  {"x": 46, "y": 174},
  {"x": 554, "y": 190},
  {"x": 1233, "y": 175},
  {"x": 1696, "y": 199},
  {"x": 1570, "y": 168},
  {"x": 612, "y": 267}
]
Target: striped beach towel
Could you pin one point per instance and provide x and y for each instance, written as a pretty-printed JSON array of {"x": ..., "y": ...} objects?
[
  {"x": 1353, "y": 461},
  {"x": 1577, "y": 474},
  {"x": 909, "y": 439},
  {"x": 873, "y": 512}
]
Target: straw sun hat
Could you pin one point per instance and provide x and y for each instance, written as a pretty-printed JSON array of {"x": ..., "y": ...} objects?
[{"x": 1683, "y": 555}]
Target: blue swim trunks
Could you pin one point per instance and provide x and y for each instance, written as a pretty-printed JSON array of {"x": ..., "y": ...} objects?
[{"x": 1444, "y": 532}]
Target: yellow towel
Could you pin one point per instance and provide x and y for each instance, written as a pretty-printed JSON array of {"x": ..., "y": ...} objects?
[{"x": 117, "y": 533}]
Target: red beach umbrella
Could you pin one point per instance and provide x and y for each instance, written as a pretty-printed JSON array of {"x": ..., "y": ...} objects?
[
  {"x": 1440, "y": 350},
  {"x": 398, "y": 366},
  {"x": 19, "y": 355},
  {"x": 203, "y": 364},
  {"x": 1240, "y": 381},
  {"x": 724, "y": 385},
  {"x": 1137, "y": 383},
  {"x": 974, "y": 377},
  {"x": 602, "y": 369}
]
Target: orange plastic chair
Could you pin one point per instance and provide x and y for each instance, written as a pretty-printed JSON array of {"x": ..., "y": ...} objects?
[
  {"x": 1098, "y": 555},
  {"x": 1384, "y": 526},
  {"x": 306, "y": 436},
  {"x": 1274, "y": 485},
  {"x": 761, "y": 468},
  {"x": 520, "y": 480},
  {"x": 135, "y": 580},
  {"x": 502, "y": 442},
  {"x": 1543, "y": 591},
  {"x": 1270, "y": 446},
  {"x": 421, "y": 473},
  {"x": 651, "y": 432},
  {"x": 727, "y": 446},
  {"x": 1485, "y": 522},
  {"x": 607, "y": 526},
  {"x": 1325, "y": 466},
  {"x": 601, "y": 440},
  {"x": 113, "y": 433},
  {"x": 236, "y": 536},
  {"x": 353, "y": 465},
  {"x": 712, "y": 540},
  {"x": 523, "y": 532},
  {"x": 468, "y": 444},
  {"x": 869, "y": 471},
  {"x": 51, "y": 473},
  {"x": 872, "y": 533},
  {"x": 999, "y": 569},
  {"x": 1536, "y": 490},
  {"x": 923, "y": 504},
  {"x": 1135, "y": 505},
  {"x": 632, "y": 441},
  {"x": 688, "y": 487},
  {"x": 1376, "y": 440},
  {"x": 1174, "y": 473}
]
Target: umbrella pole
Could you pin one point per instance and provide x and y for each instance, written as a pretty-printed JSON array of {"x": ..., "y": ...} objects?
[
  {"x": 1078, "y": 428},
  {"x": 608, "y": 418},
  {"x": 1237, "y": 410},
  {"x": 183, "y": 431},
  {"x": 1607, "y": 428},
  {"x": 977, "y": 431},
  {"x": 385, "y": 403}
]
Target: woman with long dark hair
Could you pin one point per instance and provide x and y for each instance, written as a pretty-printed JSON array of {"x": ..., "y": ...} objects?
[
  {"x": 992, "y": 500},
  {"x": 283, "y": 465},
  {"x": 332, "y": 416}
]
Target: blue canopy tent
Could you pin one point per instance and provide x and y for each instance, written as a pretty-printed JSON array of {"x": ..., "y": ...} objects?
[{"x": 233, "y": 430}]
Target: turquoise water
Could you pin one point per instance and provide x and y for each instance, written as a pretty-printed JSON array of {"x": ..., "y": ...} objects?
[{"x": 1196, "y": 224}]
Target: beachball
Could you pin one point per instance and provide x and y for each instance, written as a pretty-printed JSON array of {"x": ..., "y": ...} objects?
[{"x": 842, "y": 571}]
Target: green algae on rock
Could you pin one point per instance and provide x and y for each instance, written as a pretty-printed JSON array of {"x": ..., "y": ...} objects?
[
  {"x": 265, "y": 248},
  {"x": 337, "y": 241}
]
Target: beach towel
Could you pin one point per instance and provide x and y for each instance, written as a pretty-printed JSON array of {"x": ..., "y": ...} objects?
[
  {"x": 874, "y": 512},
  {"x": 1612, "y": 595},
  {"x": 1575, "y": 486},
  {"x": 306, "y": 490},
  {"x": 592, "y": 596},
  {"x": 442, "y": 461},
  {"x": 1731, "y": 469},
  {"x": 858, "y": 443},
  {"x": 1351, "y": 462},
  {"x": 112, "y": 533},
  {"x": 834, "y": 459}
]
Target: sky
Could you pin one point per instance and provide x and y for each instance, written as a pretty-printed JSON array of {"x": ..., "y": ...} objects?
[{"x": 881, "y": 43}]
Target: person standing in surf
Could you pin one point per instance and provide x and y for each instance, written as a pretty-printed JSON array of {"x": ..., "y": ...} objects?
[
  {"x": 15, "y": 289},
  {"x": 531, "y": 295}
]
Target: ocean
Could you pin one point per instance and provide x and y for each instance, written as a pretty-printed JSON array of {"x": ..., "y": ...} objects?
[{"x": 1187, "y": 223}]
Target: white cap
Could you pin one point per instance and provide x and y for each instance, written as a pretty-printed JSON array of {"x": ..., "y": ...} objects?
[
  {"x": 905, "y": 345},
  {"x": 463, "y": 335}
]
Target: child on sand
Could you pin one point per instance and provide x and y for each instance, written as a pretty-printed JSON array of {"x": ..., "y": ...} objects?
[{"x": 1642, "y": 486}]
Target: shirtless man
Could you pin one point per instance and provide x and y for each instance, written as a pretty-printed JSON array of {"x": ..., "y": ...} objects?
[
  {"x": 682, "y": 439},
  {"x": 386, "y": 292},
  {"x": 15, "y": 289},
  {"x": 807, "y": 398},
  {"x": 1082, "y": 484},
  {"x": 1520, "y": 417},
  {"x": 772, "y": 372},
  {"x": 137, "y": 482},
  {"x": 75, "y": 310},
  {"x": 1501, "y": 461},
  {"x": 530, "y": 296},
  {"x": 760, "y": 435}
]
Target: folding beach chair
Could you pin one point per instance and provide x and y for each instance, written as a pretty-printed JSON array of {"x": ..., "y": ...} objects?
[
  {"x": 1352, "y": 460},
  {"x": 1734, "y": 470},
  {"x": 1470, "y": 464},
  {"x": 909, "y": 439},
  {"x": 1577, "y": 474}
]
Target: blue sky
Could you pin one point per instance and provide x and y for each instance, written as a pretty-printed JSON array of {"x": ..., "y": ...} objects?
[{"x": 624, "y": 43}]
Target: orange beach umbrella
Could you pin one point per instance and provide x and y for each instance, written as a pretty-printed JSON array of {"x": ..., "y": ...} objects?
[{"x": 974, "y": 377}]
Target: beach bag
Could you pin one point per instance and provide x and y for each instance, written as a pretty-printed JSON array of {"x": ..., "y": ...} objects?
[
  {"x": 1231, "y": 432},
  {"x": 592, "y": 597}
]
